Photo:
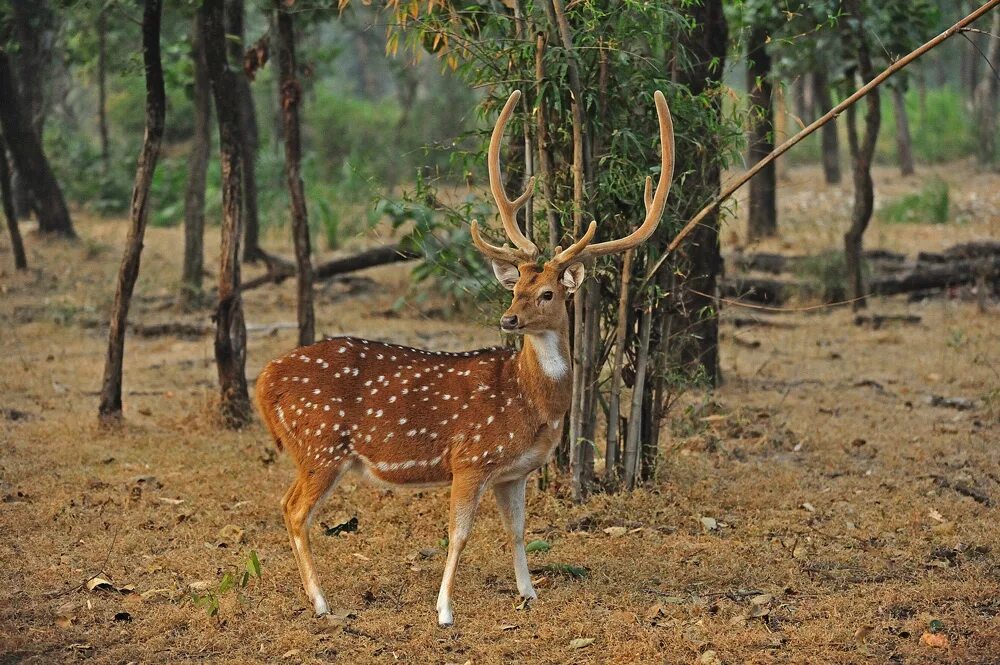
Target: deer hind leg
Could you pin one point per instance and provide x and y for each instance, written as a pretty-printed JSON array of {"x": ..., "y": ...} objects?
[
  {"x": 510, "y": 502},
  {"x": 465, "y": 495},
  {"x": 298, "y": 507}
]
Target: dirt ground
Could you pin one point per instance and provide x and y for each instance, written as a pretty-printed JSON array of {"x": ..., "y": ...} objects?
[{"x": 816, "y": 509}]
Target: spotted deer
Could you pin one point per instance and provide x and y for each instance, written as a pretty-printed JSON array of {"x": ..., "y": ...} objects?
[{"x": 476, "y": 420}]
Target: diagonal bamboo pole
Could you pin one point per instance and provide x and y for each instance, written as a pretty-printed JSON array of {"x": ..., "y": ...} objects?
[{"x": 819, "y": 122}]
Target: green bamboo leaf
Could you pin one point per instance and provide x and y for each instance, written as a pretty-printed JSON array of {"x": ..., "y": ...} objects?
[{"x": 253, "y": 564}]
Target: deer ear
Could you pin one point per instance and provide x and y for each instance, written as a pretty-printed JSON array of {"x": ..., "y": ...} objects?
[
  {"x": 572, "y": 277},
  {"x": 506, "y": 272}
]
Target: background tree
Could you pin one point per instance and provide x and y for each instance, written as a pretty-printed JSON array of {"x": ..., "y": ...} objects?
[
  {"x": 986, "y": 106},
  {"x": 862, "y": 149},
  {"x": 34, "y": 27},
  {"x": 761, "y": 18},
  {"x": 10, "y": 213},
  {"x": 230, "y": 327},
  {"x": 29, "y": 158},
  {"x": 194, "y": 193},
  {"x": 236, "y": 40},
  {"x": 110, "y": 407},
  {"x": 291, "y": 94}
]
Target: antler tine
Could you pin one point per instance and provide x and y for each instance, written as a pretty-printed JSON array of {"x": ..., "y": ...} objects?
[
  {"x": 505, "y": 253},
  {"x": 508, "y": 209},
  {"x": 564, "y": 256},
  {"x": 655, "y": 202}
]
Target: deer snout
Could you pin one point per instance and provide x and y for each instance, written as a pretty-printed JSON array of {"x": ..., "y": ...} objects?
[{"x": 508, "y": 322}]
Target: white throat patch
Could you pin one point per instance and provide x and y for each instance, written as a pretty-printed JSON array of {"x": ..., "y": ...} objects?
[{"x": 550, "y": 357}]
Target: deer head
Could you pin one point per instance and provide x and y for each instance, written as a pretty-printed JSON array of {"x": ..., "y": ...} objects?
[{"x": 541, "y": 288}]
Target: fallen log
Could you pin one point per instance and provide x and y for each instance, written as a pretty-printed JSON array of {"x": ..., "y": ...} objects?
[
  {"x": 278, "y": 269},
  {"x": 774, "y": 263},
  {"x": 915, "y": 278},
  {"x": 931, "y": 276}
]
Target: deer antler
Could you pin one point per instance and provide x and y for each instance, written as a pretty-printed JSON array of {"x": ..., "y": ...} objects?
[
  {"x": 508, "y": 209},
  {"x": 655, "y": 203},
  {"x": 505, "y": 253}
]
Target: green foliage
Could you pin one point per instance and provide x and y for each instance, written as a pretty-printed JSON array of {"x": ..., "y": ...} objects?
[
  {"x": 239, "y": 582},
  {"x": 941, "y": 127},
  {"x": 537, "y": 546},
  {"x": 929, "y": 205}
]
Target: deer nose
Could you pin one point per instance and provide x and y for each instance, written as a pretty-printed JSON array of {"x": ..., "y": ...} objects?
[{"x": 508, "y": 322}]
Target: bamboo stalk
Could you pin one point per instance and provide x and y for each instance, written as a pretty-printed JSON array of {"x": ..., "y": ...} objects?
[
  {"x": 544, "y": 158},
  {"x": 635, "y": 417},
  {"x": 827, "y": 117},
  {"x": 611, "y": 455}
]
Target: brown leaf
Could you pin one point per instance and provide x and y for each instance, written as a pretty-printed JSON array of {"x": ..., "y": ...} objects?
[
  {"x": 937, "y": 640},
  {"x": 98, "y": 583}
]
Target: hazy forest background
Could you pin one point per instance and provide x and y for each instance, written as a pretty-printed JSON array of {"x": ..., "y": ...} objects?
[{"x": 809, "y": 382}]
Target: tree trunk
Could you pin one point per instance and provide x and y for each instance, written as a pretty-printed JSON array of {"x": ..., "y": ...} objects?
[
  {"x": 230, "y": 328},
  {"x": 986, "y": 106},
  {"x": 862, "y": 150},
  {"x": 695, "y": 306},
  {"x": 194, "y": 195},
  {"x": 904, "y": 144},
  {"x": 828, "y": 133},
  {"x": 291, "y": 96},
  {"x": 111, "y": 390},
  {"x": 7, "y": 196},
  {"x": 236, "y": 41},
  {"x": 29, "y": 159},
  {"x": 34, "y": 25},
  {"x": 102, "y": 105},
  {"x": 763, "y": 215}
]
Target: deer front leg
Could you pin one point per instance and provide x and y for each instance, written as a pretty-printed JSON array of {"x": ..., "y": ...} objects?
[
  {"x": 465, "y": 495},
  {"x": 510, "y": 501}
]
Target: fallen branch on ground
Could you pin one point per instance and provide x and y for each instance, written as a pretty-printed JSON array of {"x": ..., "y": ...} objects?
[{"x": 278, "y": 269}]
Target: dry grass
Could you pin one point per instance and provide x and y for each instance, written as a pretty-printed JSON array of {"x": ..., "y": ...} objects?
[{"x": 822, "y": 413}]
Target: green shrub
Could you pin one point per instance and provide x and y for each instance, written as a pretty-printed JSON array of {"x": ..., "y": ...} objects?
[{"x": 929, "y": 205}]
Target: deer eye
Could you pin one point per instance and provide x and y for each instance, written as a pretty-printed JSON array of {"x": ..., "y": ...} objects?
[{"x": 546, "y": 295}]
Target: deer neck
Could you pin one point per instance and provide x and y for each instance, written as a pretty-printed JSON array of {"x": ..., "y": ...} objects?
[{"x": 545, "y": 371}]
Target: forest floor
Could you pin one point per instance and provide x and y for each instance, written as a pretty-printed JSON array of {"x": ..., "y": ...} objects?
[{"x": 817, "y": 508}]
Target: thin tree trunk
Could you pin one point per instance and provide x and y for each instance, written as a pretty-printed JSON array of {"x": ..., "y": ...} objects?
[
  {"x": 291, "y": 92},
  {"x": 230, "y": 328},
  {"x": 635, "y": 417},
  {"x": 236, "y": 41},
  {"x": 110, "y": 408},
  {"x": 862, "y": 150},
  {"x": 763, "y": 214},
  {"x": 612, "y": 450},
  {"x": 194, "y": 195},
  {"x": 828, "y": 134},
  {"x": 102, "y": 105},
  {"x": 904, "y": 144},
  {"x": 986, "y": 106},
  {"x": 544, "y": 156},
  {"x": 29, "y": 159},
  {"x": 7, "y": 195}
]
